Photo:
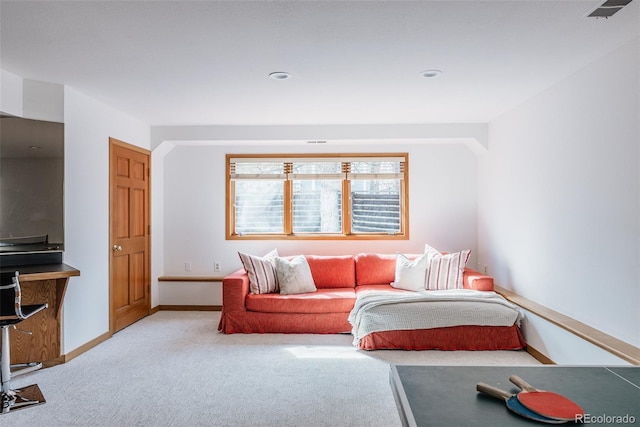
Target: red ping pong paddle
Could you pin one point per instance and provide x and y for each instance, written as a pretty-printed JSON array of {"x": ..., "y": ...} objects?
[
  {"x": 547, "y": 403},
  {"x": 513, "y": 404}
]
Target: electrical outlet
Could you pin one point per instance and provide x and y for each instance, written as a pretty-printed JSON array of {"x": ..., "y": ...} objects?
[
  {"x": 216, "y": 266},
  {"x": 485, "y": 269},
  {"x": 187, "y": 266}
]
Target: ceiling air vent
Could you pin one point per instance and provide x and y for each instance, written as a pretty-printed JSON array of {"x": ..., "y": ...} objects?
[{"x": 608, "y": 8}]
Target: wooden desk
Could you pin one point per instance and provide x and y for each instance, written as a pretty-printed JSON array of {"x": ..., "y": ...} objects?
[{"x": 40, "y": 284}]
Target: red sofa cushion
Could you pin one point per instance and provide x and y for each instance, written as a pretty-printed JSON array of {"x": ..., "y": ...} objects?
[
  {"x": 336, "y": 300},
  {"x": 362, "y": 289},
  {"x": 330, "y": 272},
  {"x": 375, "y": 269}
]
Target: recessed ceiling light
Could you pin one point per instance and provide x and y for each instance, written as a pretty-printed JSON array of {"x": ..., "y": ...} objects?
[
  {"x": 429, "y": 74},
  {"x": 280, "y": 75}
]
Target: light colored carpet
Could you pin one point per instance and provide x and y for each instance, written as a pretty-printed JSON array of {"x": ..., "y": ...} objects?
[{"x": 175, "y": 369}]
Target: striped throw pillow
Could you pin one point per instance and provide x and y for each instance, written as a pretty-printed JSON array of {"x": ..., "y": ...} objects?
[
  {"x": 445, "y": 271},
  {"x": 261, "y": 272}
]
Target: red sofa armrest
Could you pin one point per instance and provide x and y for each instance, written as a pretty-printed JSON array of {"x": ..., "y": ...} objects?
[
  {"x": 235, "y": 288},
  {"x": 475, "y": 280}
]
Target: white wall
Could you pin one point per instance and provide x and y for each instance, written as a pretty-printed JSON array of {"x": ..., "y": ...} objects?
[
  {"x": 43, "y": 101},
  {"x": 88, "y": 126},
  {"x": 442, "y": 180},
  {"x": 563, "y": 347},
  {"x": 11, "y": 93},
  {"x": 559, "y": 205},
  {"x": 31, "y": 99},
  {"x": 157, "y": 220}
]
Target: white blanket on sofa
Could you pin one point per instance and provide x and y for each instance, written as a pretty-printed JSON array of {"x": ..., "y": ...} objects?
[{"x": 389, "y": 311}]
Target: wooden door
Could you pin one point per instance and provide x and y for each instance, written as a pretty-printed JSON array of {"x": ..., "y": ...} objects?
[{"x": 129, "y": 234}]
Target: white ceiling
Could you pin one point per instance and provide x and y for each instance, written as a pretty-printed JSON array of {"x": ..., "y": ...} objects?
[{"x": 352, "y": 62}]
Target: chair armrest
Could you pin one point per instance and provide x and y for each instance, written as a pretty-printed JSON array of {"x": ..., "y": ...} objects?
[
  {"x": 235, "y": 288},
  {"x": 477, "y": 281}
]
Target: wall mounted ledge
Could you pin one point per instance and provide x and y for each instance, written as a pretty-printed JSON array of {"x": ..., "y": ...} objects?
[
  {"x": 190, "y": 278},
  {"x": 615, "y": 346}
]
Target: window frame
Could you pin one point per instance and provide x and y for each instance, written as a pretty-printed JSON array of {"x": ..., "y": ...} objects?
[{"x": 346, "y": 234}]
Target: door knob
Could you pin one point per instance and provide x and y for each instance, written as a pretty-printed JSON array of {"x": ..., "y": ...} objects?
[{"x": 116, "y": 248}]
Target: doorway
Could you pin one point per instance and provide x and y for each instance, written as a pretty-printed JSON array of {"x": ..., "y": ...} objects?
[{"x": 129, "y": 232}]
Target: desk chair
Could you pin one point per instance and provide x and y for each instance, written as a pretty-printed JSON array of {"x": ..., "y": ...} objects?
[{"x": 13, "y": 312}]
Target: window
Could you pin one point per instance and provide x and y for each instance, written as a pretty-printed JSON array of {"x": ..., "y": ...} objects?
[{"x": 317, "y": 196}]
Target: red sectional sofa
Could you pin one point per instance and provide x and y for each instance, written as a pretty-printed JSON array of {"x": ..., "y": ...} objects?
[{"x": 338, "y": 280}]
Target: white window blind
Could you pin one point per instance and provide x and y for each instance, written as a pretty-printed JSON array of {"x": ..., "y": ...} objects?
[{"x": 317, "y": 168}]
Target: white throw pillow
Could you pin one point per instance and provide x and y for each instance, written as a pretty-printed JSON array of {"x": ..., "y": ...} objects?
[
  {"x": 445, "y": 271},
  {"x": 410, "y": 274},
  {"x": 294, "y": 277},
  {"x": 261, "y": 272}
]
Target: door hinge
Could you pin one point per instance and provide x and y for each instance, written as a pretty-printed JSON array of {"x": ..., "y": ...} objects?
[{"x": 149, "y": 229}]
